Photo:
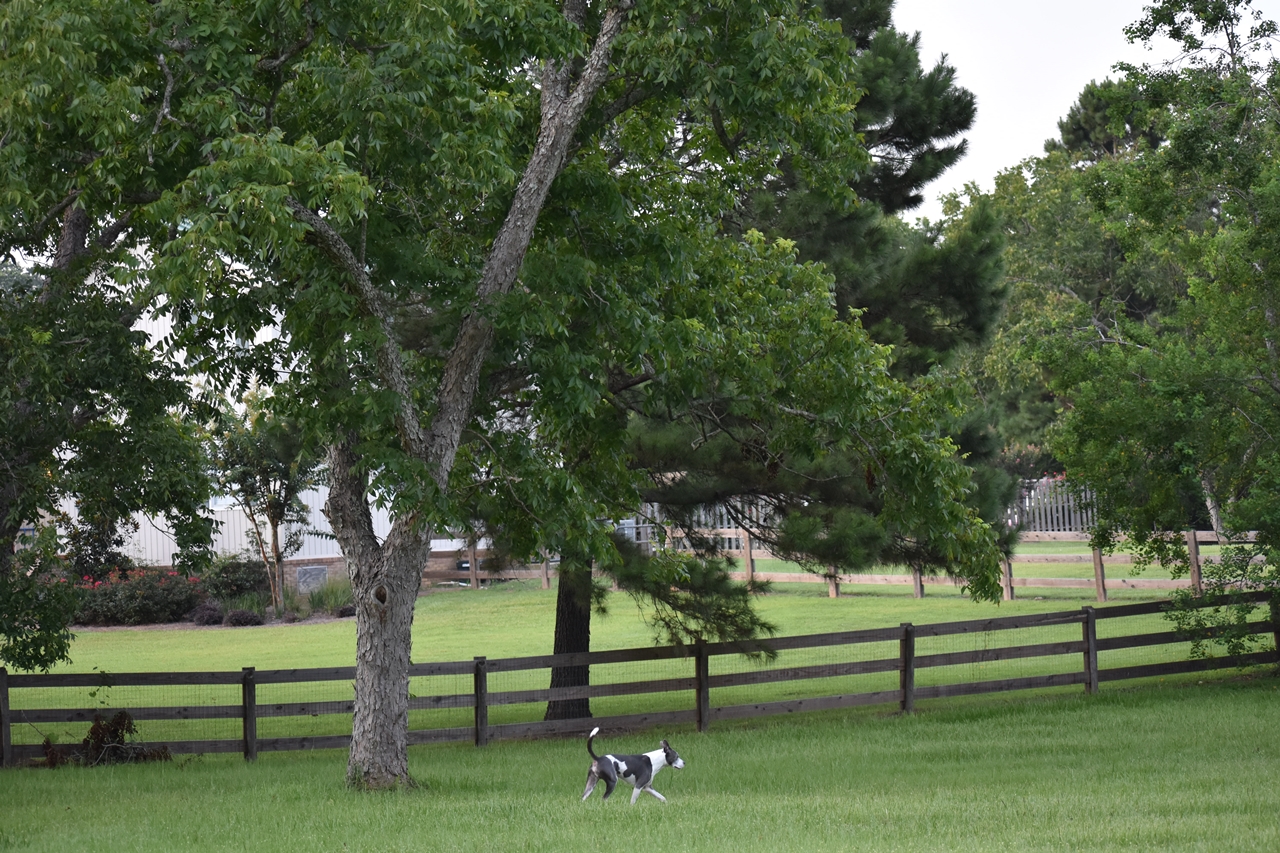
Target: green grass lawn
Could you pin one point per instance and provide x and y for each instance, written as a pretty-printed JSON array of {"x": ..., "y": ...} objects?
[
  {"x": 1176, "y": 766},
  {"x": 515, "y": 619},
  {"x": 1065, "y": 569}
]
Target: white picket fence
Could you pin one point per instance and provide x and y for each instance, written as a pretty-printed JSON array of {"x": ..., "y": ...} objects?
[
  {"x": 1044, "y": 506},
  {"x": 1048, "y": 506}
]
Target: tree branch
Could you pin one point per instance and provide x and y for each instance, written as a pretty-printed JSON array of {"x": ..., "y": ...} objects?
[
  {"x": 275, "y": 63},
  {"x": 390, "y": 361},
  {"x": 562, "y": 111}
]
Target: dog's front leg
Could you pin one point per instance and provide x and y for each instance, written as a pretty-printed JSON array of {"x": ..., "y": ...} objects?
[
  {"x": 656, "y": 794},
  {"x": 635, "y": 795}
]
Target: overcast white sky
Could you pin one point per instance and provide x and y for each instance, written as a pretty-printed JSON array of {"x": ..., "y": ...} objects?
[{"x": 1026, "y": 60}]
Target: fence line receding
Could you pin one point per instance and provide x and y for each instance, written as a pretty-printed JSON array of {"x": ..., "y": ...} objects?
[{"x": 251, "y": 711}]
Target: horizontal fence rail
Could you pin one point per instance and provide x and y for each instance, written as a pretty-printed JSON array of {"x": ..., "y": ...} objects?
[
  {"x": 474, "y": 577},
  {"x": 481, "y": 700}
]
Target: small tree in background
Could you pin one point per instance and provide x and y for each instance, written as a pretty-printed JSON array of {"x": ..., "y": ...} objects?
[{"x": 261, "y": 462}]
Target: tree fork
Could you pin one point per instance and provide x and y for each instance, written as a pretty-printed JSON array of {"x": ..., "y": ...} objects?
[{"x": 385, "y": 578}]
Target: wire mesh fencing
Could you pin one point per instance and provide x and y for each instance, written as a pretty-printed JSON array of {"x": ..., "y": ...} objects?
[{"x": 481, "y": 699}]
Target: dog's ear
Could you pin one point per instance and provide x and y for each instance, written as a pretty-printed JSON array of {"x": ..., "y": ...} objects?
[{"x": 665, "y": 745}]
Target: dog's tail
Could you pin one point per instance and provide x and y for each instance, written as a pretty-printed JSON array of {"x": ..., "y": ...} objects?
[{"x": 590, "y": 738}]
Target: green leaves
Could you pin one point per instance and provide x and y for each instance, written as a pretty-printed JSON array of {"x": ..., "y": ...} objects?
[
  {"x": 1147, "y": 293},
  {"x": 37, "y": 604}
]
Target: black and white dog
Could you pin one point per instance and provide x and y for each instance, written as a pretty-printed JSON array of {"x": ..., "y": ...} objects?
[{"x": 639, "y": 770}]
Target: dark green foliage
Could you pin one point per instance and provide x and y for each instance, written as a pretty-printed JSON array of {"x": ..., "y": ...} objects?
[
  {"x": 206, "y": 613},
  {"x": 909, "y": 118},
  {"x": 231, "y": 577},
  {"x": 1107, "y": 119},
  {"x": 37, "y": 604},
  {"x": 88, "y": 412},
  {"x": 143, "y": 596},
  {"x": 693, "y": 599},
  {"x": 93, "y": 546},
  {"x": 242, "y": 618},
  {"x": 1147, "y": 302},
  {"x": 931, "y": 291}
]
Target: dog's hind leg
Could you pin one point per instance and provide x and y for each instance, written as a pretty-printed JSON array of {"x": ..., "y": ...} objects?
[
  {"x": 592, "y": 779},
  {"x": 602, "y": 769}
]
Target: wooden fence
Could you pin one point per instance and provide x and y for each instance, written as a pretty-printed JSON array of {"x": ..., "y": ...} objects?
[
  {"x": 1099, "y": 582},
  {"x": 693, "y": 679}
]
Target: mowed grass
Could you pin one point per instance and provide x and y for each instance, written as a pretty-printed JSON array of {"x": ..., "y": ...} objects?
[
  {"x": 515, "y": 619},
  {"x": 1177, "y": 766}
]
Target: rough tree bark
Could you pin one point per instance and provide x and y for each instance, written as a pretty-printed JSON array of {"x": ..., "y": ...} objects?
[
  {"x": 572, "y": 634},
  {"x": 384, "y": 584},
  {"x": 385, "y": 578}
]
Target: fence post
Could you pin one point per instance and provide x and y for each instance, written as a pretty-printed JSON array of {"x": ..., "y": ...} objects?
[
  {"x": 907, "y": 676},
  {"x": 1193, "y": 560},
  {"x": 1099, "y": 575},
  {"x": 1275, "y": 626},
  {"x": 702, "y": 686},
  {"x": 6, "y": 744},
  {"x": 249, "y": 712},
  {"x": 1007, "y": 579},
  {"x": 1090, "y": 628},
  {"x": 482, "y": 701}
]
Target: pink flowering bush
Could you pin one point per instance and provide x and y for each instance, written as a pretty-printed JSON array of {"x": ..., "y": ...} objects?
[{"x": 141, "y": 596}]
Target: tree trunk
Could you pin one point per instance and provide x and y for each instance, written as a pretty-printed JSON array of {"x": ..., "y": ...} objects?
[
  {"x": 385, "y": 578},
  {"x": 384, "y": 585},
  {"x": 279, "y": 567},
  {"x": 573, "y": 634},
  {"x": 384, "y": 595}
]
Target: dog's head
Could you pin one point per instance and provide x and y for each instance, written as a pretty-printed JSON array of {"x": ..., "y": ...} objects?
[{"x": 673, "y": 760}]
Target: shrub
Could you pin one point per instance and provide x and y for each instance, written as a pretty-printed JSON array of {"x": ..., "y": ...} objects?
[
  {"x": 242, "y": 618},
  {"x": 232, "y": 577},
  {"x": 138, "y": 597},
  {"x": 345, "y": 610},
  {"x": 254, "y": 602},
  {"x": 330, "y": 597},
  {"x": 293, "y": 601},
  {"x": 208, "y": 613}
]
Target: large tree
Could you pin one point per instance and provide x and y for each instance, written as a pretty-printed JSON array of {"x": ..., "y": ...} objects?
[
  {"x": 933, "y": 291},
  {"x": 1155, "y": 312},
  {"x": 930, "y": 291},
  {"x": 474, "y": 226}
]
